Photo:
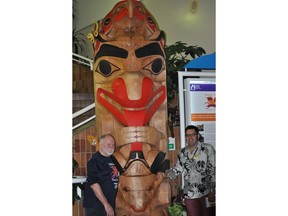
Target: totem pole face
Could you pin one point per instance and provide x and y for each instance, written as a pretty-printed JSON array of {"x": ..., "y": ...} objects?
[
  {"x": 137, "y": 189},
  {"x": 130, "y": 96},
  {"x": 129, "y": 68}
]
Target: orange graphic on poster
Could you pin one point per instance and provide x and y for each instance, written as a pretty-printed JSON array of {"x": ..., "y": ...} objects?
[
  {"x": 211, "y": 102},
  {"x": 203, "y": 117}
]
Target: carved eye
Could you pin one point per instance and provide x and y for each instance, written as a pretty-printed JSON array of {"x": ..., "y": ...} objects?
[
  {"x": 106, "y": 68},
  {"x": 150, "y": 20},
  {"x": 149, "y": 188},
  {"x": 107, "y": 21},
  {"x": 156, "y": 66},
  {"x": 125, "y": 189}
]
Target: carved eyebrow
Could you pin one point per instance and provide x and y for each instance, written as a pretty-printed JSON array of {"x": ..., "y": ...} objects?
[
  {"x": 149, "y": 49},
  {"x": 110, "y": 50}
]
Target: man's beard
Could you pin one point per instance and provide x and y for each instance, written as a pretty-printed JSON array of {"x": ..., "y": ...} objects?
[{"x": 109, "y": 152}]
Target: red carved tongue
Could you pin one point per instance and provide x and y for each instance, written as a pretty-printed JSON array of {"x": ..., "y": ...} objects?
[{"x": 120, "y": 89}]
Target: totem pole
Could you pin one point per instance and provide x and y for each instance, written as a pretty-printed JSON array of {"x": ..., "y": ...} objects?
[{"x": 131, "y": 104}]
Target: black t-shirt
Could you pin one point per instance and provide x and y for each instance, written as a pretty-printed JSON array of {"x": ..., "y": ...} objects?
[{"x": 101, "y": 170}]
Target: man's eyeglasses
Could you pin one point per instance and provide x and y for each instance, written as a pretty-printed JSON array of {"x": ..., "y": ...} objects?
[{"x": 191, "y": 135}]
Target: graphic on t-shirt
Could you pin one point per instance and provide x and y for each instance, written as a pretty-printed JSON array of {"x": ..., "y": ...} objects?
[{"x": 115, "y": 173}]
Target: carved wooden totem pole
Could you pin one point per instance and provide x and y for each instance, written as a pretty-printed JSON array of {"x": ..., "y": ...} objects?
[{"x": 130, "y": 99}]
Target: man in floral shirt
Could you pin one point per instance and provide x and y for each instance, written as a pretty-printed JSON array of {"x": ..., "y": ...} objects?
[{"x": 197, "y": 163}]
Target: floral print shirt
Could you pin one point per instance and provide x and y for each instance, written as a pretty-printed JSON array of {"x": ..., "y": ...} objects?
[{"x": 198, "y": 168}]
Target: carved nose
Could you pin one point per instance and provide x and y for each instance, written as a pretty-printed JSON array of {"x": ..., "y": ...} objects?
[
  {"x": 133, "y": 86},
  {"x": 130, "y": 9},
  {"x": 140, "y": 204}
]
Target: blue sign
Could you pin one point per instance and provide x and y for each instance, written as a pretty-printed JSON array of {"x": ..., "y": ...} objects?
[{"x": 202, "y": 87}]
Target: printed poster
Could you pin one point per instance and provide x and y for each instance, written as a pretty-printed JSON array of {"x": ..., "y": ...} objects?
[{"x": 202, "y": 109}]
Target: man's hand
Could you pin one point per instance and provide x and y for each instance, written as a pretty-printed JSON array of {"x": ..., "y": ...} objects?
[
  {"x": 170, "y": 174},
  {"x": 109, "y": 210},
  {"x": 211, "y": 196}
]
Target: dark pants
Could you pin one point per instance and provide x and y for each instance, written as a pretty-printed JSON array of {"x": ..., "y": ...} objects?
[
  {"x": 95, "y": 212},
  {"x": 197, "y": 207}
]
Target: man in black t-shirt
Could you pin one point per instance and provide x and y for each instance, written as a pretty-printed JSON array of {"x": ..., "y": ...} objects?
[{"x": 102, "y": 180}]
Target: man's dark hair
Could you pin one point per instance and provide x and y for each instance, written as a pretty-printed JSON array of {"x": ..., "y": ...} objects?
[{"x": 189, "y": 127}]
